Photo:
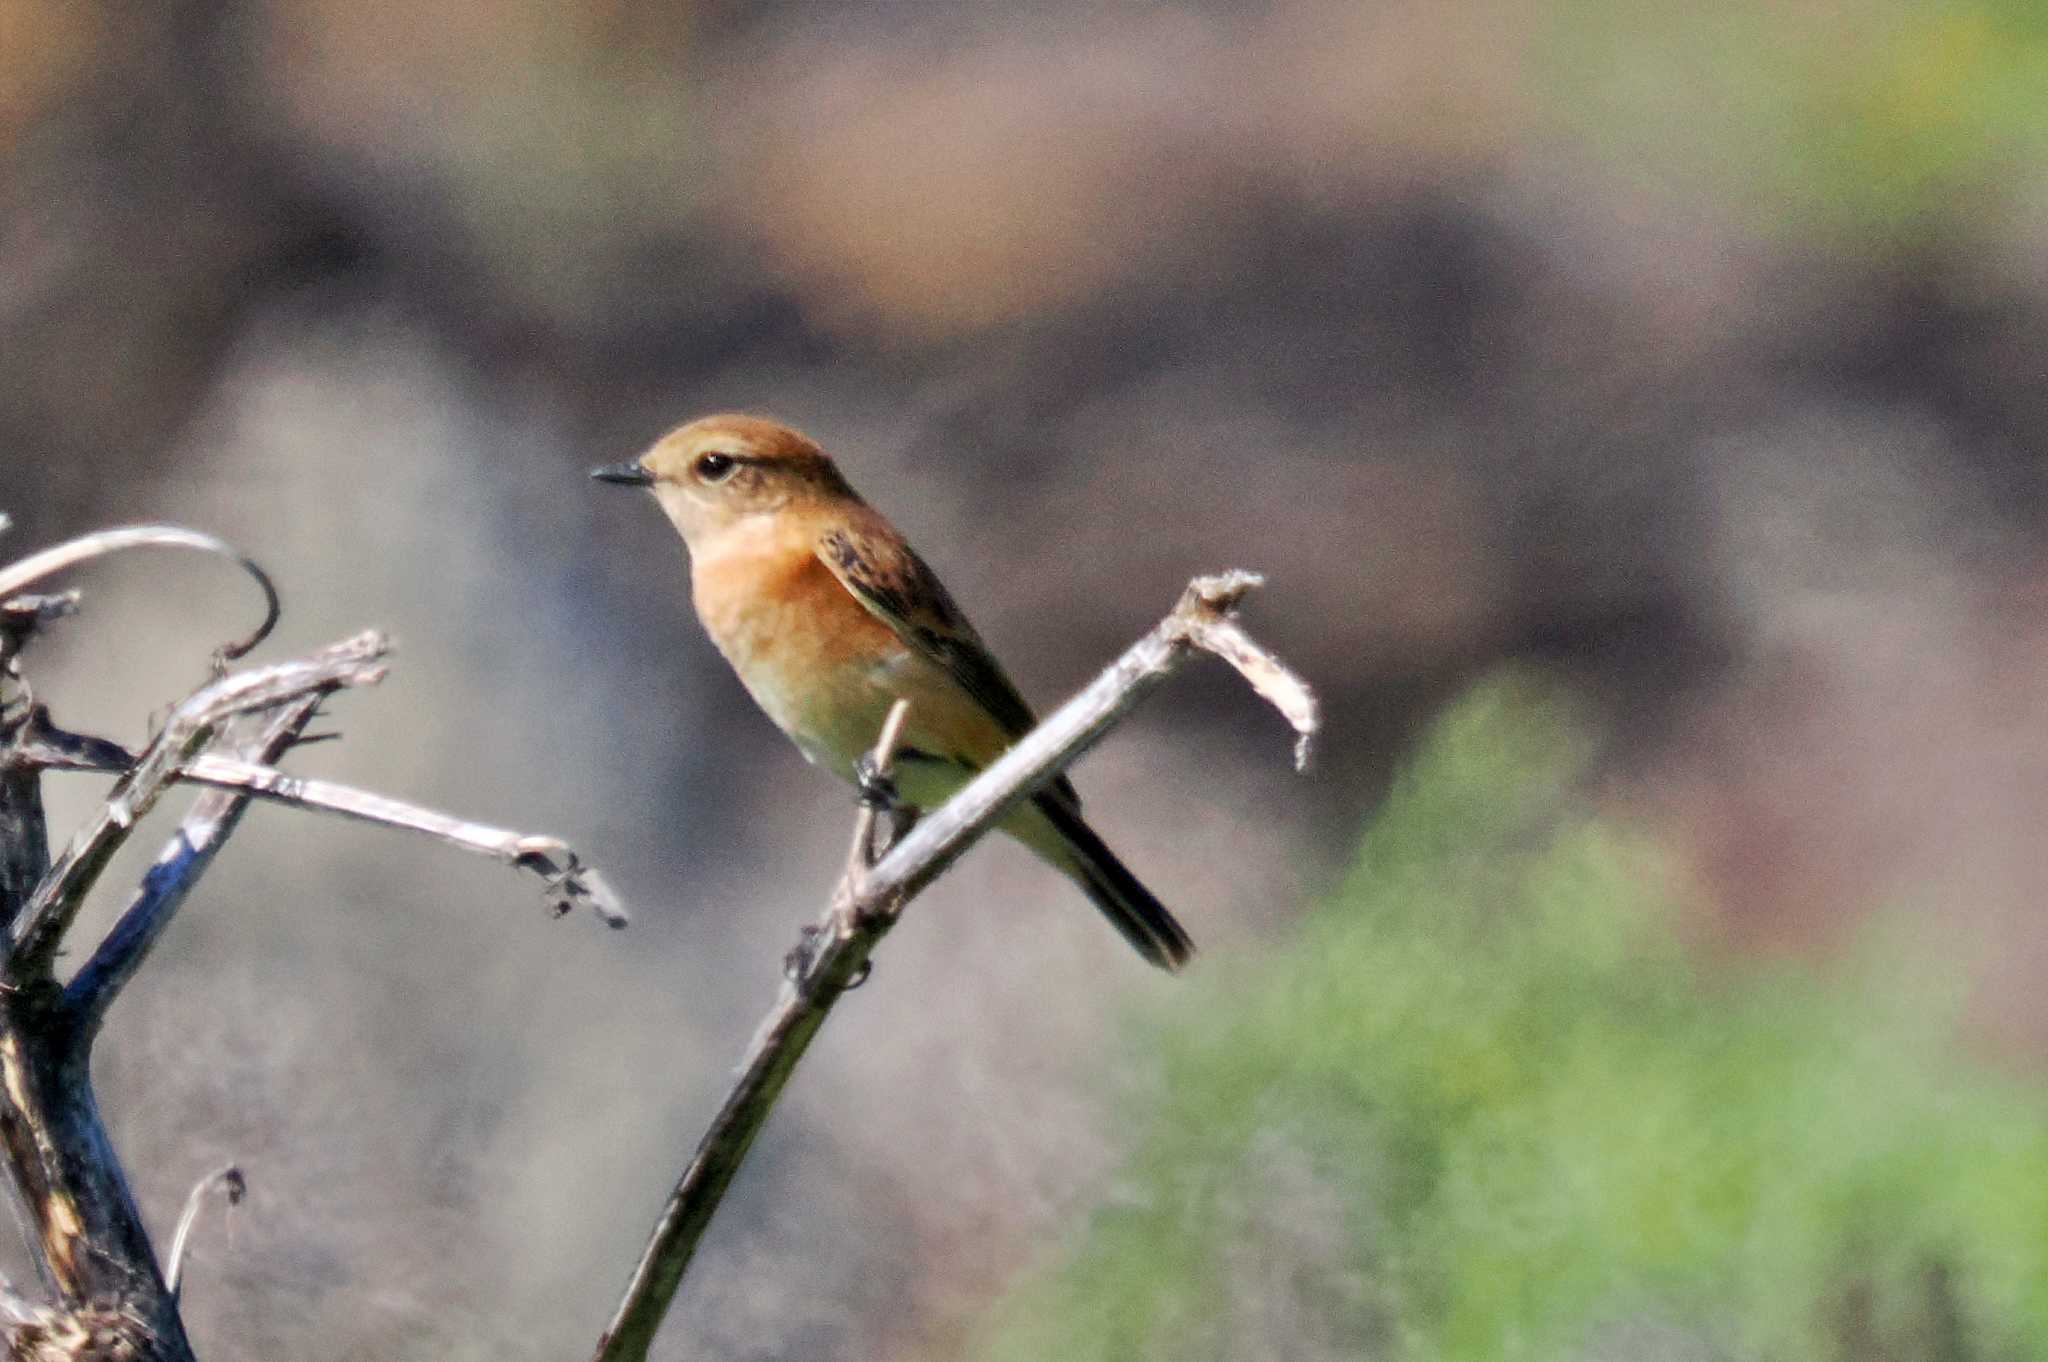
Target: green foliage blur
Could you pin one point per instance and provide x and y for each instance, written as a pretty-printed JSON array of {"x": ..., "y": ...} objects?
[
  {"x": 1862, "y": 123},
  {"x": 1490, "y": 1107}
]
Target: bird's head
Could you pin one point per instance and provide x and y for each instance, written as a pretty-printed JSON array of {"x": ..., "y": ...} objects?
[{"x": 719, "y": 470}]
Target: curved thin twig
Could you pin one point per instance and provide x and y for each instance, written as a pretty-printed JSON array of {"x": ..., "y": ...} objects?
[
  {"x": 228, "y": 1180},
  {"x": 1214, "y": 630},
  {"x": 26, "y": 572}
]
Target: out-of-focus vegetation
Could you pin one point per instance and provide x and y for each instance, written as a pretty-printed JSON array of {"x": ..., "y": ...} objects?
[
  {"x": 1490, "y": 1106},
  {"x": 1862, "y": 126},
  {"x": 1697, "y": 349}
]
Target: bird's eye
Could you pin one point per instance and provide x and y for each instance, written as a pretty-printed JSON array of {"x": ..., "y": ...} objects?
[{"x": 714, "y": 467}]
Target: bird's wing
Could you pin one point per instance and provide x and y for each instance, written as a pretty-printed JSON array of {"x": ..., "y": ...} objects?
[{"x": 897, "y": 587}]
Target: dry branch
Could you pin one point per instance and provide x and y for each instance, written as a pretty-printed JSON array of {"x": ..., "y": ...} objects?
[
  {"x": 42, "y": 922},
  {"x": 867, "y": 824},
  {"x": 834, "y": 953},
  {"x": 179, "y": 865},
  {"x": 67, "y": 1187},
  {"x": 566, "y": 880},
  {"x": 569, "y": 883},
  {"x": 109, "y": 1297}
]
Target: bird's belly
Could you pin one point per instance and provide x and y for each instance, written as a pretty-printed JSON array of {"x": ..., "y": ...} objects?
[
  {"x": 826, "y": 671},
  {"x": 928, "y": 781},
  {"x": 833, "y": 708}
]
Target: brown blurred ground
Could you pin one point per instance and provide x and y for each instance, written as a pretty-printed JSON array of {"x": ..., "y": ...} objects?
[{"x": 1089, "y": 298}]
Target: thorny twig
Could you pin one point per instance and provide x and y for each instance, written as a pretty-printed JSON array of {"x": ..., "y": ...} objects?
[{"x": 834, "y": 953}]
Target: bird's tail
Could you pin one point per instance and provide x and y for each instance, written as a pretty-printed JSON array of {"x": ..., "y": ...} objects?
[{"x": 1129, "y": 905}]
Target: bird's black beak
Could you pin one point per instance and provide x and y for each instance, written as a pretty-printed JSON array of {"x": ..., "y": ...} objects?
[{"x": 629, "y": 474}]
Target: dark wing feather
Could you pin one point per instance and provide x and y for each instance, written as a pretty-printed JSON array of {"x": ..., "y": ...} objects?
[{"x": 886, "y": 575}]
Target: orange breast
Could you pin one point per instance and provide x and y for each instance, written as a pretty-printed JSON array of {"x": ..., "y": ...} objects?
[
  {"x": 809, "y": 653},
  {"x": 764, "y": 605},
  {"x": 817, "y": 661}
]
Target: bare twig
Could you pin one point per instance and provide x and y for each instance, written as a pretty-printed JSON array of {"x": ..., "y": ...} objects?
[
  {"x": 32, "y": 610},
  {"x": 56, "y": 901},
  {"x": 772, "y": 1056},
  {"x": 1280, "y": 687},
  {"x": 109, "y": 1298},
  {"x": 178, "y": 866},
  {"x": 939, "y": 839},
  {"x": 566, "y": 880},
  {"x": 861, "y": 854},
  {"x": 20, "y": 618},
  {"x": 26, "y": 572},
  {"x": 230, "y": 1183},
  {"x": 40, "y": 745},
  {"x": 835, "y": 952},
  {"x": 88, "y": 1234}
]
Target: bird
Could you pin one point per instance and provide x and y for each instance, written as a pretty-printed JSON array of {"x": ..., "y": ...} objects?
[{"x": 829, "y": 617}]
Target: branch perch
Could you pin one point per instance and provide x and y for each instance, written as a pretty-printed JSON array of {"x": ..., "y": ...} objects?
[
  {"x": 870, "y": 898},
  {"x": 860, "y": 856}
]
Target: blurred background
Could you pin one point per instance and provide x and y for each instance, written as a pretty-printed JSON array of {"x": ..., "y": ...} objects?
[{"x": 1692, "y": 357}]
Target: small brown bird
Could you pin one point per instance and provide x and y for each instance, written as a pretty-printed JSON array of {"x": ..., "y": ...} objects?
[{"x": 829, "y": 617}]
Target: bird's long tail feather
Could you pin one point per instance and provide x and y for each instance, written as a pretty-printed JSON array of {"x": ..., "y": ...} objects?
[{"x": 1129, "y": 905}]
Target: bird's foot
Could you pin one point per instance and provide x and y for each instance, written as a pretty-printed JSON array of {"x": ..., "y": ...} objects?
[
  {"x": 877, "y": 790},
  {"x": 797, "y": 963},
  {"x": 803, "y": 957}
]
